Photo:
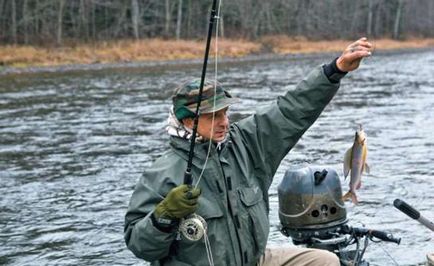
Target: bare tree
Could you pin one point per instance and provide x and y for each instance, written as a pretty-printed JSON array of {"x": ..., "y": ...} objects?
[
  {"x": 14, "y": 22},
  {"x": 179, "y": 20},
  {"x": 370, "y": 16},
  {"x": 25, "y": 21},
  {"x": 60, "y": 21},
  {"x": 398, "y": 19},
  {"x": 135, "y": 17},
  {"x": 168, "y": 18},
  {"x": 83, "y": 22},
  {"x": 36, "y": 21}
]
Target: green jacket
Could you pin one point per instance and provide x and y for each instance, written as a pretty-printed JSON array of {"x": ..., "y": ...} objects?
[{"x": 234, "y": 199}]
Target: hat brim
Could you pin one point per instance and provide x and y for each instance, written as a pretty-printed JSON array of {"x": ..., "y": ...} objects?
[{"x": 219, "y": 105}]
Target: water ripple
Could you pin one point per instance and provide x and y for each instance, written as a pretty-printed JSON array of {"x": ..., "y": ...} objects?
[{"x": 72, "y": 147}]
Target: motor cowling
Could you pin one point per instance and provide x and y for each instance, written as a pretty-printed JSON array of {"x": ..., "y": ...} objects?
[{"x": 311, "y": 198}]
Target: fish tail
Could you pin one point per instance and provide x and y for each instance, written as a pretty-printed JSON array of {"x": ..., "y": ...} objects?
[{"x": 350, "y": 195}]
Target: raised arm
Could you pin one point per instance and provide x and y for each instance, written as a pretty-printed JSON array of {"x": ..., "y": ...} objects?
[{"x": 272, "y": 132}]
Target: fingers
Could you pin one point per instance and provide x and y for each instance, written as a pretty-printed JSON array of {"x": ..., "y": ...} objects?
[
  {"x": 353, "y": 54},
  {"x": 194, "y": 193},
  {"x": 191, "y": 197},
  {"x": 359, "y": 52},
  {"x": 360, "y": 45},
  {"x": 185, "y": 211},
  {"x": 190, "y": 202}
]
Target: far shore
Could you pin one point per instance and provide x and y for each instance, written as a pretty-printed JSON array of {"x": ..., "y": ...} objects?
[{"x": 157, "y": 52}]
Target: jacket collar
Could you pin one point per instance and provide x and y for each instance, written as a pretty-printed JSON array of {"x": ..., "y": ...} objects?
[{"x": 181, "y": 146}]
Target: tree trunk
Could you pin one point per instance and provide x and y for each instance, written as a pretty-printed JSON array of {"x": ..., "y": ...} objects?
[
  {"x": 84, "y": 27},
  {"x": 120, "y": 21},
  {"x": 167, "y": 18},
  {"x": 430, "y": 15},
  {"x": 398, "y": 19},
  {"x": 189, "y": 23},
  {"x": 26, "y": 21},
  {"x": 179, "y": 20},
  {"x": 370, "y": 11},
  {"x": 14, "y": 22},
  {"x": 60, "y": 22},
  {"x": 93, "y": 23},
  {"x": 2, "y": 25},
  {"x": 36, "y": 20},
  {"x": 377, "y": 24},
  {"x": 222, "y": 26},
  {"x": 135, "y": 18}
]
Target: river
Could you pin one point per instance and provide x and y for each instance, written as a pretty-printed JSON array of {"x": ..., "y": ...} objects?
[{"x": 74, "y": 144}]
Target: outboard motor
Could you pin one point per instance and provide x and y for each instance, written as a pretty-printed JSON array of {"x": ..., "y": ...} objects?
[
  {"x": 310, "y": 203},
  {"x": 312, "y": 213}
]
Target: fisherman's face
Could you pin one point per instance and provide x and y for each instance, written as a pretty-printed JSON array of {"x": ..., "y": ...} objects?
[{"x": 205, "y": 126}]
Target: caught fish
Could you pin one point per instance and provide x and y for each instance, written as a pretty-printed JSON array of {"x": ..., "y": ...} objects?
[{"x": 355, "y": 161}]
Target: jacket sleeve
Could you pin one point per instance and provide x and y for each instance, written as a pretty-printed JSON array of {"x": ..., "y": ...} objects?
[
  {"x": 271, "y": 133},
  {"x": 141, "y": 236}
]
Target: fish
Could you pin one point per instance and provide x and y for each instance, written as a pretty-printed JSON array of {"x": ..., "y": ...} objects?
[{"x": 355, "y": 161}]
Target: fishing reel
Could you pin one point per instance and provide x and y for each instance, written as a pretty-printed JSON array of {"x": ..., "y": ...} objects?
[{"x": 193, "y": 227}]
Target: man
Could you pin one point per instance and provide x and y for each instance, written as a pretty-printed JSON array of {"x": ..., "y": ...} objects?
[{"x": 239, "y": 166}]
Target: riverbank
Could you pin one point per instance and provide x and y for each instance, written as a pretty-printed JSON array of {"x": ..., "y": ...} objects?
[{"x": 20, "y": 58}]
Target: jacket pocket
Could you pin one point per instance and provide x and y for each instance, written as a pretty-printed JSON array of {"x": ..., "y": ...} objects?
[{"x": 253, "y": 203}]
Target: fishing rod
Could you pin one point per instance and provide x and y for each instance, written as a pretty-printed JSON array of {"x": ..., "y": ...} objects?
[
  {"x": 188, "y": 179},
  {"x": 413, "y": 213}
]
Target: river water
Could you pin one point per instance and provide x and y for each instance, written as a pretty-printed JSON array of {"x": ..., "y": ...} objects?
[{"x": 73, "y": 145}]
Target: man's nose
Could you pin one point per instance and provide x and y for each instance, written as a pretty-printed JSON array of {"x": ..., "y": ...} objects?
[{"x": 222, "y": 119}]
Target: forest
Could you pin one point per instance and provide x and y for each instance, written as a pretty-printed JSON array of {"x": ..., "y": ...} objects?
[{"x": 55, "y": 22}]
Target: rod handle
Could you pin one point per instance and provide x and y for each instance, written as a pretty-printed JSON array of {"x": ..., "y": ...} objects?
[
  {"x": 188, "y": 179},
  {"x": 407, "y": 209}
]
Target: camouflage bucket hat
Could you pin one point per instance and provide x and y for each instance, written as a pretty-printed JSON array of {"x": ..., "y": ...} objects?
[{"x": 186, "y": 97}]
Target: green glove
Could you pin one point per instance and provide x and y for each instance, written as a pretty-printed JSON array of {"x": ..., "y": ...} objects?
[{"x": 179, "y": 202}]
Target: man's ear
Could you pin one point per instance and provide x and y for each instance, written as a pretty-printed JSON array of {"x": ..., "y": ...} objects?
[{"x": 188, "y": 122}]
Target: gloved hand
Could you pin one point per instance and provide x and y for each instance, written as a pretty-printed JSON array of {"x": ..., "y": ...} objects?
[{"x": 179, "y": 202}]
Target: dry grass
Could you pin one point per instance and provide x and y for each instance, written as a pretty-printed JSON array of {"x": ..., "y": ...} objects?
[
  {"x": 120, "y": 51},
  {"x": 158, "y": 49},
  {"x": 387, "y": 44},
  {"x": 297, "y": 45}
]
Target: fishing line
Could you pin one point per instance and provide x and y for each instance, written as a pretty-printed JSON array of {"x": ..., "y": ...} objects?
[
  {"x": 217, "y": 18},
  {"x": 206, "y": 239},
  {"x": 385, "y": 251},
  {"x": 208, "y": 249},
  {"x": 388, "y": 254}
]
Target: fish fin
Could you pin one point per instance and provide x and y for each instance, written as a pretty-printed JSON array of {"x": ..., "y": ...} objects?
[
  {"x": 366, "y": 168},
  {"x": 359, "y": 185},
  {"x": 352, "y": 196},
  {"x": 347, "y": 162},
  {"x": 347, "y": 196}
]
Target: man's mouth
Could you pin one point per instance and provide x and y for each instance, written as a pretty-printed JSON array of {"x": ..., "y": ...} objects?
[{"x": 220, "y": 133}]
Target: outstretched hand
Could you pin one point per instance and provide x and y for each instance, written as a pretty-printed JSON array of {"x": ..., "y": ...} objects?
[{"x": 353, "y": 55}]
